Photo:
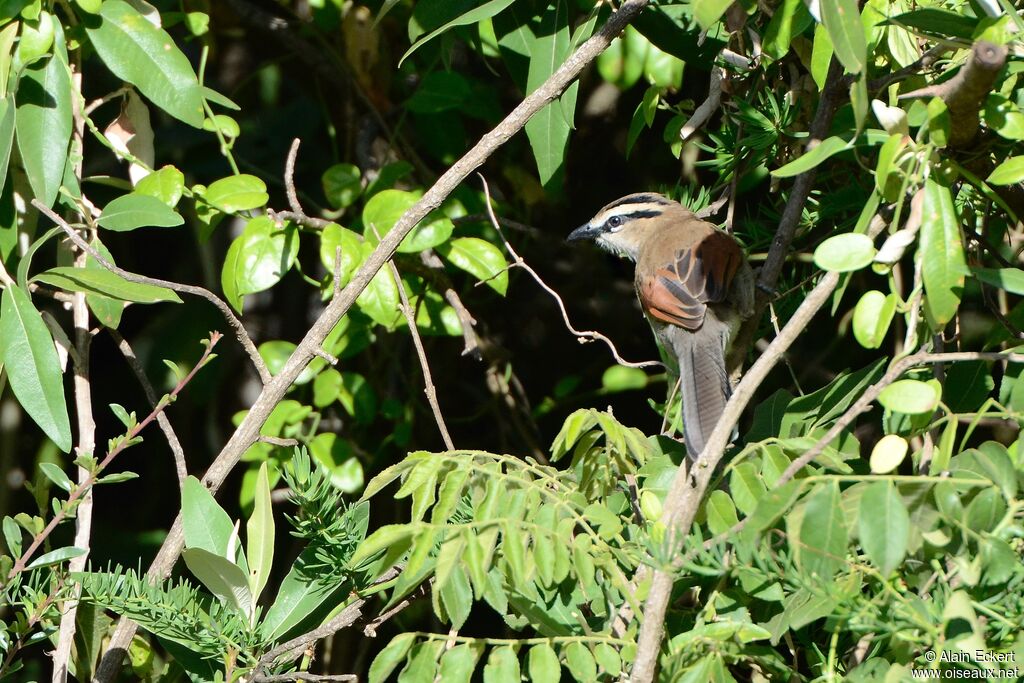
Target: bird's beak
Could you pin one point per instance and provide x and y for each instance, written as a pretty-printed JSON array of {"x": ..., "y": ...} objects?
[{"x": 584, "y": 232}]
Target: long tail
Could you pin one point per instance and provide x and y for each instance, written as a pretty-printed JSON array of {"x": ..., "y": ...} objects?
[{"x": 704, "y": 381}]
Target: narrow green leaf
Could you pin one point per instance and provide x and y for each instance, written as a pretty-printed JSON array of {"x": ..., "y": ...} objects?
[
  {"x": 147, "y": 57},
  {"x": 260, "y": 535},
  {"x": 826, "y": 148},
  {"x": 884, "y": 526},
  {"x": 57, "y": 556},
  {"x": 1009, "y": 279},
  {"x": 135, "y": 210},
  {"x": 106, "y": 283},
  {"x": 33, "y": 368},
  {"x": 708, "y": 12},
  {"x": 43, "y": 124},
  {"x": 205, "y": 523},
  {"x": 843, "y": 23},
  {"x": 484, "y": 11},
  {"x": 943, "y": 266},
  {"x": 222, "y": 577},
  {"x": 1009, "y": 172},
  {"x": 7, "y": 119},
  {"x": 55, "y": 474}
]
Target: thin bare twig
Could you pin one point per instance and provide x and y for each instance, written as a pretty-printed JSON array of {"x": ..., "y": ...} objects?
[
  {"x": 240, "y": 334},
  {"x": 162, "y": 420},
  {"x": 428, "y": 389},
  {"x": 370, "y": 630},
  {"x": 583, "y": 336},
  {"x": 297, "y": 213},
  {"x": 246, "y": 432},
  {"x": 303, "y": 676}
]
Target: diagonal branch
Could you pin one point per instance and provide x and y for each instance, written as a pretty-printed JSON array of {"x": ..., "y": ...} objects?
[
  {"x": 274, "y": 391},
  {"x": 236, "y": 324}
]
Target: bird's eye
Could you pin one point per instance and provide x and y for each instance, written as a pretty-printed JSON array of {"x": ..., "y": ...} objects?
[{"x": 615, "y": 222}]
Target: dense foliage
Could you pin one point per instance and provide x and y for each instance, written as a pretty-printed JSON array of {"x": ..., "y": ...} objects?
[{"x": 866, "y": 521}]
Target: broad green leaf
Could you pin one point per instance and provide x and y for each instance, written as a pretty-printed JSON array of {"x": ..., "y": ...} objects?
[
  {"x": 967, "y": 386},
  {"x": 502, "y": 666},
  {"x": 204, "y": 522},
  {"x": 479, "y": 258},
  {"x": 147, "y": 57},
  {"x": 132, "y": 211},
  {"x": 259, "y": 257},
  {"x": 260, "y": 535},
  {"x": 580, "y": 662},
  {"x": 166, "y": 184},
  {"x": 342, "y": 185},
  {"x": 55, "y": 474},
  {"x": 790, "y": 19},
  {"x": 222, "y": 577},
  {"x": 380, "y": 300},
  {"x": 106, "y": 283},
  {"x": 237, "y": 193},
  {"x": 721, "y": 512},
  {"x": 1010, "y": 279},
  {"x": 884, "y": 526},
  {"x": 844, "y": 253},
  {"x": 821, "y": 56},
  {"x": 439, "y": 91},
  {"x": 335, "y": 237},
  {"x": 421, "y": 666},
  {"x": 621, "y": 378},
  {"x": 888, "y": 453},
  {"x": 1009, "y": 172},
  {"x": 843, "y": 23},
  {"x": 33, "y": 369},
  {"x": 825, "y": 149},
  {"x": 823, "y": 535},
  {"x": 390, "y": 657},
  {"x": 480, "y": 13},
  {"x": 872, "y": 317},
  {"x": 542, "y": 664},
  {"x": 457, "y": 664},
  {"x": 43, "y": 124},
  {"x": 56, "y": 557},
  {"x": 938, "y": 22},
  {"x": 909, "y": 396},
  {"x": 608, "y": 658},
  {"x": 384, "y": 209},
  {"x": 708, "y": 12},
  {"x": 941, "y": 254},
  {"x": 36, "y": 38}
]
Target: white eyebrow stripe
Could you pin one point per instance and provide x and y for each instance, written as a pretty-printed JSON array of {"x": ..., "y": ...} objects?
[{"x": 628, "y": 209}]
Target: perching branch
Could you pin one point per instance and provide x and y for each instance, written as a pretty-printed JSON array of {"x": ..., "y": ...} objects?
[
  {"x": 965, "y": 92},
  {"x": 297, "y": 213},
  {"x": 274, "y": 391},
  {"x": 240, "y": 334},
  {"x": 583, "y": 336}
]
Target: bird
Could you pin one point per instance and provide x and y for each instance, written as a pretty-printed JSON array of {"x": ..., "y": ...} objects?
[{"x": 695, "y": 288}]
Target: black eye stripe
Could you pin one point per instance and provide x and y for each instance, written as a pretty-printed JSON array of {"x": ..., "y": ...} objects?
[{"x": 623, "y": 218}]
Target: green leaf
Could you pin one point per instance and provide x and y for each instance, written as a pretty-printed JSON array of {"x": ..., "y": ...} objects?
[
  {"x": 941, "y": 254},
  {"x": 259, "y": 257},
  {"x": 1009, "y": 279},
  {"x": 204, "y": 522},
  {"x": 237, "y": 193},
  {"x": 260, "y": 535},
  {"x": 823, "y": 535},
  {"x": 334, "y": 237},
  {"x": 548, "y": 129},
  {"x": 542, "y": 664},
  {"x": 55, "y": 474},
  {"x": 708, "y": 12},
  {"x": 888, "y": 453},
  {"x": 132, "y": 211},
  {"x": 106, "y": 283},
  {"x": 938, "y": 22},
  {"x": 608, "y": 658},
  {"x": 439, "y": 91},
  {"x": 222, "y": 577},
  {"x": 909, "y": 396},
  {"x": 884, "y": 526},
  {"x": 380, "y": 300},
  {"x": 457, "y": 664},
  {"x": 390, "y": 657},
  {"x": 502, "y": 666},
  {"x": 790, "y": 19},
  {"x": 30, "y": 360},
  {"x": 167, "y": 185},
  {"x": 580, "y": 662},
  {"x": 147, "y": 57},
  {"x": 43, "y": 124},
  {"x": 826, "y": 148},
  {"x": 480, "y": 13},
  {"x": 478, "y": 258},
  {"x": 342, "y": 185},
  {"x": 1009, "y": 172},
  {"x": 7, "y": 118},
  {"x": 56, "y": 557},
  {"x": 845, "y": 253},
  {"x": 843, "y": 23},
  {"x": 384, "y": 209},
  {"x": 299, "y": 597},
  {"x": 872, "y": 317},
  {"x": 621, "y": 378}
]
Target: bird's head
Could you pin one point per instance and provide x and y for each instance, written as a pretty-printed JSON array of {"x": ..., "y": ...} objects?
[{"x": 624, "y": 225}]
